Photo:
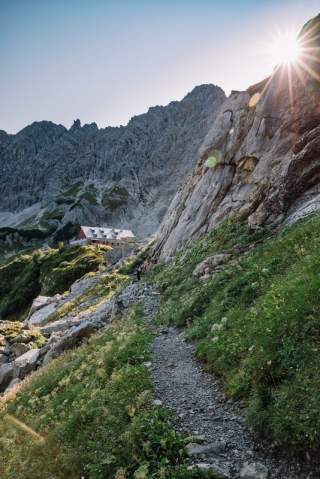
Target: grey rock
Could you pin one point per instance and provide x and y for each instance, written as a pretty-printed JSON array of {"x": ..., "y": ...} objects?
[
  {"x": 6, "y": 375},
  {"x": 212, "y": 471},
  {"x": 194, "y": 449},
  {"x": 60, "y": 325},
  {"x": 42, "y": 315},
  {"x": 41, "y": 301},
  {"x": 26, "y": 363},
  {"x": 210, "y": 264},
  {"x": 3, "y": 359},
  {"x": 70, "y": 340},
  {"x": 19, "y": 348},
  {"x": 12, "y": 384},
  {"x": 254, "y": 470}
]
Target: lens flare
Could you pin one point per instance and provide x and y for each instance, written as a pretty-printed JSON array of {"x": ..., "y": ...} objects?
[{"x": 285, "y": 49}]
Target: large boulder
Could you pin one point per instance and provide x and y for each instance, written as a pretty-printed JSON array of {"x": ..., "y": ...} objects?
[
  {"x": 18, "y": 349},
  {"x": 70, "y": 340},
  {"x": 43, "y": 315},
  {"x": 7, "y": 372},
  {"x": 41, "y": 301},
  {"x": 26, "y": 363},
  {"x": 61, "y": 325},
  {"x": 211, "y": 265}
]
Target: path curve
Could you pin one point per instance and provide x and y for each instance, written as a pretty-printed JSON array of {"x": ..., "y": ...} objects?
[{"x": 197, "y": 400}]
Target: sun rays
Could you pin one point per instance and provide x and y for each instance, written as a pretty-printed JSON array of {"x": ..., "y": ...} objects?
[
  {"x": 293, "y": 58},
  {"x": 285, "y": 49}
]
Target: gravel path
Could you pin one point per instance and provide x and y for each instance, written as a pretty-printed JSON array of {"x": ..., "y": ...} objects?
[{"x": 197, "y": 400}]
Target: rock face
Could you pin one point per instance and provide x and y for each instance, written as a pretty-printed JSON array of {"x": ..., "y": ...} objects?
[
  {"x": 51, "y": 176},
  {"x": 260, "y": 159}
]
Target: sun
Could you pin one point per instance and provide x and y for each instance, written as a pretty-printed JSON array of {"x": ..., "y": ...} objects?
[{"x": 285, "y": 49}]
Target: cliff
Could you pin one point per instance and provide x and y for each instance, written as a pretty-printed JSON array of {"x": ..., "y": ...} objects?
[{"x": 260, "y": 159}]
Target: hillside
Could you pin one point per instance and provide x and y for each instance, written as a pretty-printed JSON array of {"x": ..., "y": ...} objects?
[
  {"x": 208, "y": 367},
  {"x": 124, "y": 176}
]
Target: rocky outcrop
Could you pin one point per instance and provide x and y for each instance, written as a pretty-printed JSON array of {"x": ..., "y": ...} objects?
[
  {"x": 260, "y": 159},
  {"x": 42, "y": 310},
  {"x": 22, "y": 355},
  {"x": 211, "y": 265},
  {"x": 52, "y": 176}
]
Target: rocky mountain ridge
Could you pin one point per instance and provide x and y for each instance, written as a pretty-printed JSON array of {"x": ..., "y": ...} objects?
[
  {"x": 260, "y": 159},
  {"x": 123, "y": 176}
]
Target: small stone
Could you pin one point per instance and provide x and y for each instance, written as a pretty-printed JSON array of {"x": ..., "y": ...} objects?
[
  {"x": 212, "y": 470},
  {"x": 157, "y": 402},
  {"x": 148, "y": 364},
  {"x": 194, "y": 449},
  {"x": 254, "y": 470}
]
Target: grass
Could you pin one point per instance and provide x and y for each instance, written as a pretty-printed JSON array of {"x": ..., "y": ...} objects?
[
  {"x": 114, "y": 198},
  {"x": 90, "y": 413},
  {"x": 257, "y": 324},
  {"x": 47, "y": 272}
]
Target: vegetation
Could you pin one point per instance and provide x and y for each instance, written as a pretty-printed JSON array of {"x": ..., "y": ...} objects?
[
  {"x": 257, "y": 323},
  {"x": 73, "y": 190},
  {"x": 135, "y": 260},
  {"x": 52, "y": 215},
  {"x": 13, "y": 330},
  {"x": 91, "y": 413},
  {"x": 90, "y": 197},
  {"x": 48, "y": 272},
  {"x": 106, "y": 287},
  {"x": 115, "y": 197}
]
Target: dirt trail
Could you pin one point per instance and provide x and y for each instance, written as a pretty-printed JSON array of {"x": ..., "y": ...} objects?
[{"x": 201, "y": 408}]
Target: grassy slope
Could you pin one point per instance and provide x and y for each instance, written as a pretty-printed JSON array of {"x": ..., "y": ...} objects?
[
  {"x": 49, "y": 272},
  {"x": 258, "y": 324},
  {"x": 92, "y": 414}
]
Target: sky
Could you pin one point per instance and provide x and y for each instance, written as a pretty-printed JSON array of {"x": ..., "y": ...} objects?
[{"x": 105, "y": 61}]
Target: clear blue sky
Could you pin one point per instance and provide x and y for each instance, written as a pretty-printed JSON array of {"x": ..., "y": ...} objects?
[{"x": 107, "y": 60}]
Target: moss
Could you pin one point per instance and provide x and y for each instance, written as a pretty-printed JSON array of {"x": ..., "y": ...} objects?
[
  {"x": 267, "y": 308},
  {"x": 114, "y": 198}
]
